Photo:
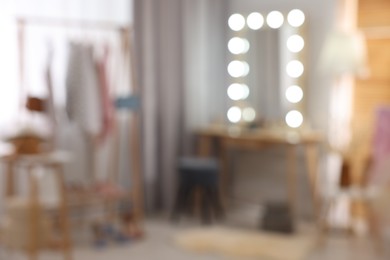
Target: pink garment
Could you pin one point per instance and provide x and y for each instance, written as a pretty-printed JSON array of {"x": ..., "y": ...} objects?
[
  {"x": 109, "y": 190},
  {"x": 50, "y": 89},
  {"x": 50, "y": 102},
  {"x": 107, "y": 104},
  {"x": 381, "y": 144}
]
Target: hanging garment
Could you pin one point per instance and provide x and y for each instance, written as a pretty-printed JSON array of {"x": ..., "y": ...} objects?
[
  {"x": 83, "y": 103},
  {"x": 120, "y": 69},
  {"x": 107, "y": 106},
  {"x": 381, "y": 145},
  {"x": 50, "y": 90}
]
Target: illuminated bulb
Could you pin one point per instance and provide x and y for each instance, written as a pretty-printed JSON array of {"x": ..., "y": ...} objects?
[
  {"x": 296, "y": 18},
  {"x": 294, "y": 119},
  {"x": 247, "y": 45},
  {"x": 234, "y": 91},
  {"x": 234, "y": 114},
  {"x": 246, "y": 69},
  {"x": 294, "y": 94},
  {"x": 295, "y": 43},
  {"x": 238, "y": 69},
  {"x": 238, "y": 91},
  {"x": 255, "y": 21},
  {"x": 249, "y": 114},
  {"x": 275, "y": 19},
  {"x": 236, "y": 22},
  {"x": 245, "y": 91},
  {"x": 294, "y": 69},
  {"x": 238, "y": 45}
]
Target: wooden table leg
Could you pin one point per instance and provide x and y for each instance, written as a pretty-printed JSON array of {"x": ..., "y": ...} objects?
[
  {"x": 204, "y": 146},
  {"x": 311, "y": 152},
  {"x": 33, "y": 215},
  {"x": 63, "y": 213},
  {"x": 10, "y": 182},
  {"x": 292, "y": 177},
  {"x": 375, "y": 228},
  {"x": 136, "y": 177},
  {"x": 223, "y": 183}
]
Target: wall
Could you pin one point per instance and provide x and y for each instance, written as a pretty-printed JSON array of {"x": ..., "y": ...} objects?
[{"x": 104, "y": 10}]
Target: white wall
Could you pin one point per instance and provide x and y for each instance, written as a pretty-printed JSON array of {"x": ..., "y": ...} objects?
[
  {"x": 204, "y": 43},
  {"x": 120, "y": 11}
]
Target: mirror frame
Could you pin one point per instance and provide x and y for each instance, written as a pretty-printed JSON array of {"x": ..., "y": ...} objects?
[{"x": 286, "y": 57}]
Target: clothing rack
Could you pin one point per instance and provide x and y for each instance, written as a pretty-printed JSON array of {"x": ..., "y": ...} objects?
[
  {"x": 127, "y": 44},
  {"x": 85, "y": 24}
]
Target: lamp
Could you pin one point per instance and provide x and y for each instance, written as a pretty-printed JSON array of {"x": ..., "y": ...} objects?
[
  {"x": 343, "y": 56},
  {"x": 344, "y": 53}
]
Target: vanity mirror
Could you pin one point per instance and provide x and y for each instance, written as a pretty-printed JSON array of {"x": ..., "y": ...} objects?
[{"x": 266, "y": 68}]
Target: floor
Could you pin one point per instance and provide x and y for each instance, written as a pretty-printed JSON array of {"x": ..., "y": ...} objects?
[
  {"x": 159, "y": 244},
  {"x": 253, "y": 185}
]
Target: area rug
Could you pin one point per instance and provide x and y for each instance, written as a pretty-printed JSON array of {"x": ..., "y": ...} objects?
[{"x": 241, "y": 244}]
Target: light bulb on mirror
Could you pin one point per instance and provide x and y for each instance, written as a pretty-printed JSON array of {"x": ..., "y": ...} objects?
[
  {"x": 236, "y": 22},
  {"x": 237, "y": 45},
  {"x": 245, "y": 91},
  {"x": 238, "y": 91},
  {"x": 249, "y": 114},
  {"x": 294, "y": 69},
  {"x": 234, "y": 114},
  {"x": 294, "y": 94},
  {"x": 296, "y": 18},
  {"x": 294, "y": 119},
  {"x": 295, "y": 43},
  {"x": 238, "y": 69},
  {"x": 255, "y": 21},
  {"x": 275, "y": 19},
  {"x": 246, "y": 69}
]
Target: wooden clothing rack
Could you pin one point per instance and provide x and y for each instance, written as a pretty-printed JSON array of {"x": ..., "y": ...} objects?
[
  {"x": 134, "y": 135},
  {"x": 84, "y": 24}
]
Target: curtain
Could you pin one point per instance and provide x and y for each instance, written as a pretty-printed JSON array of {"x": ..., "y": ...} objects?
[{"x": 180, "y": 58}]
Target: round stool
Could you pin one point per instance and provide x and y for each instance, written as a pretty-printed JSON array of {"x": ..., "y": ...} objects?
[{"x": 198, "y": 176}]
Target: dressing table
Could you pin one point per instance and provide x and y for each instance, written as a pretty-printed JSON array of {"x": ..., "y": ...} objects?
[{"x": 221, "y": 140}]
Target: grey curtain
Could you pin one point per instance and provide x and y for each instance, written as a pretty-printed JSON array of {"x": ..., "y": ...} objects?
[
  {"x": 180, "y": 65},
  {"x": 160, "y": 68}
]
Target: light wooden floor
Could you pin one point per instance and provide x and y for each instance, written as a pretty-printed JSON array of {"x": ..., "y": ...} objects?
[{"x": 158, "y": 244}]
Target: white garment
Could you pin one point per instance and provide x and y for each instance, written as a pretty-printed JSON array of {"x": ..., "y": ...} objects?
[{"x": 83, "y": 99}]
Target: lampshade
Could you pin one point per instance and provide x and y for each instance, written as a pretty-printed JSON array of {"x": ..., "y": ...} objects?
[{"x": 344, "y": 52}]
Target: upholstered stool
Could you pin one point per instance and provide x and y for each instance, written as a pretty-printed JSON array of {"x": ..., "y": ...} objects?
[{"x": 198, "y": 176}]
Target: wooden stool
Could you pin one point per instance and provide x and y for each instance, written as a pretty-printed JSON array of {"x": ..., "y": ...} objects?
[
  {"x": 53, "y": 161},
  {"x": 198, "y": 176}
]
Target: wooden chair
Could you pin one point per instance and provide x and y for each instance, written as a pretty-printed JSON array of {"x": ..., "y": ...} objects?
[{"x": 31, "y": 212}]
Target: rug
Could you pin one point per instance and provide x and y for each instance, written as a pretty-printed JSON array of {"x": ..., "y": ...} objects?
[{"x": 241, "y": 244}]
